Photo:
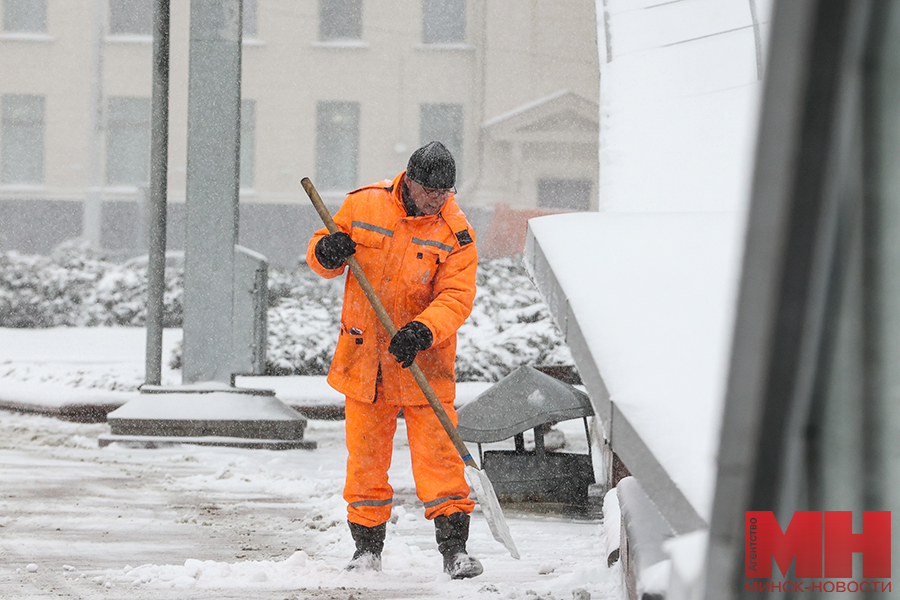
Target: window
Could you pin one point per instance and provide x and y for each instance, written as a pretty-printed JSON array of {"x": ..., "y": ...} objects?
[
  {"x": 128, "y": 141},
  {"x": 565, "y": 194},
  {"x": 248, "y": 142},
  {"x": 250, "y": 19},
  {"x": 340, "y": 20},
  {"x": 26, "y": 16},
  {"x": 135, "y": 17},
  {"x": 443, "y": 21},
  {"x": 22, "y": 139},
  {"x": 443, "y": 123},
  {"x": 337, "y": 144},
  {"x": 131, "y": 17}
]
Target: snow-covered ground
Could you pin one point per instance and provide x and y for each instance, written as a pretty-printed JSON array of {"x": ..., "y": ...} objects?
[{"x": 78, "y": 521}]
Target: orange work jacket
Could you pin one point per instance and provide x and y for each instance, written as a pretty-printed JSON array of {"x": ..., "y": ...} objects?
[{"x": 423, "y": 268}]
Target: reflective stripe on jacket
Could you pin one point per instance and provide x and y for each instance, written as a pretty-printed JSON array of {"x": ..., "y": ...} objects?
[{"x": 423, "y": 269}]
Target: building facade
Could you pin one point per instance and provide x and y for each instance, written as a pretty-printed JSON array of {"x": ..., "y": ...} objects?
[{"x": 341, "y": 91}]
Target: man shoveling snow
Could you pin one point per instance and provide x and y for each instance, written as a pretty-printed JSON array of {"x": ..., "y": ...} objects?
[{"x": 418, "y": 250}]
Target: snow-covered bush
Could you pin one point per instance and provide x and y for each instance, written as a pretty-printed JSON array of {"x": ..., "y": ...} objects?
[
  {"x": 509, "y": 326},
  {"x": 303, "y": 321},
  {"x": 76, "y": 286}
]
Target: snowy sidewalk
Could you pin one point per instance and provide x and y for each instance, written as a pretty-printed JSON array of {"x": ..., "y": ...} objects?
[{"x": 78, "y": 521}]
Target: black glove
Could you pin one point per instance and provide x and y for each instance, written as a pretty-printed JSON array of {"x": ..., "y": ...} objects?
[
  {"x": 409, "y": 341},
  {"x": 333, "y": 249}
]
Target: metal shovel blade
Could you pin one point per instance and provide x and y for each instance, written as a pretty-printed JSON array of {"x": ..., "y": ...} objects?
[{"x": 487, "y": 498}]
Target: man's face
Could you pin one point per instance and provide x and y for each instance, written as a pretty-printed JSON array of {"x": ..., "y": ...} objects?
[{"x": 429, "y": 200}]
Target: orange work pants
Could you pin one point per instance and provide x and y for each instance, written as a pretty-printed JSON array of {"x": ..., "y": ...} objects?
[{"x": 436, "y": 465}]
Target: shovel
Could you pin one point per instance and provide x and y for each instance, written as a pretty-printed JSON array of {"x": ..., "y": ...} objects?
[{"x": 477, "y": 478}]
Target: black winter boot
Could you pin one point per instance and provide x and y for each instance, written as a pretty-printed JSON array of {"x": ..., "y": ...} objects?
[
  {"x": 451, "y": 534},
  {"x": 369, "y": 544}
]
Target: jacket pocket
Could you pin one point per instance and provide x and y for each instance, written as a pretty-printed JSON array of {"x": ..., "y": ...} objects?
[
  {"x": 421, "y": 268},
  {"x": 355, "y": 364}
]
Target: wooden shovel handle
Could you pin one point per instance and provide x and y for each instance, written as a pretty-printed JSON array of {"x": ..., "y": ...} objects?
[{"x": 385, "y": 319}]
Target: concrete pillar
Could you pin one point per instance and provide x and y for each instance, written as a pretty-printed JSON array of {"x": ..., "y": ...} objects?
[{"x": 214, "y": 105}]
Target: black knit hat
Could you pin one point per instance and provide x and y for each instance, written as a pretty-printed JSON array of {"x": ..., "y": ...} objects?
[{"x": 432, "y": 166}]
